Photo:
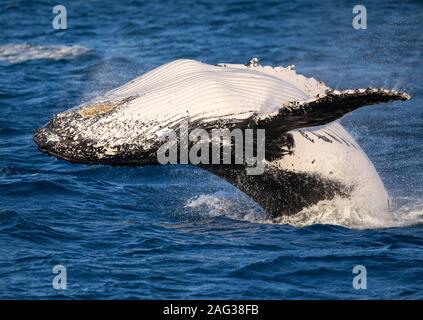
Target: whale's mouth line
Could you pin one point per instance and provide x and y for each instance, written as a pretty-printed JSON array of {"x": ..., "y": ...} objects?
[{"x": 114, "y": 162}]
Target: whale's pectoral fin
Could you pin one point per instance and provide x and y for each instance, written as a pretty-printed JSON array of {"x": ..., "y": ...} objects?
[{"x": 324, "y": 109}]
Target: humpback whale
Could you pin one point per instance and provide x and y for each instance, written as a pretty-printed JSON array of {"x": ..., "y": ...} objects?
[{"x": 309, "y": 156}]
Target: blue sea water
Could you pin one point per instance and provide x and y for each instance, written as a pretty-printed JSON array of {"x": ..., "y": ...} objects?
[{"x": 177, "y": 231}]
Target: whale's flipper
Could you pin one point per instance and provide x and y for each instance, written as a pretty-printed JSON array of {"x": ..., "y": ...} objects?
[
  {"x": 325, "y": 109},
  {"x": 317, "y": 111}
]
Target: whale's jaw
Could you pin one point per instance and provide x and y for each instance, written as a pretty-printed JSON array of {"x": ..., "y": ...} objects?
[{"x": 84, "y": 153}]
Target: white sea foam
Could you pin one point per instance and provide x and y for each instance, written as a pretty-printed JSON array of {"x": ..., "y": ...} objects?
[
  {"x": 346, "y": 213},
  {"x": 16, "y": 53},
  {"x": 339, "y": 211},
  {"x": 233, "y": 206}
]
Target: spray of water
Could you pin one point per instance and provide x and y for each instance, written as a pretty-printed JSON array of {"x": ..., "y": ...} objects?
[{"x": 338, "y": 211}]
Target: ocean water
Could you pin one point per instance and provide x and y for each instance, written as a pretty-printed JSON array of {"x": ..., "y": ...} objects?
[{"x": 178, "y": 232}]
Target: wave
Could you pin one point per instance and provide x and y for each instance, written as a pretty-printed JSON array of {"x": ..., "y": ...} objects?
[
  {"x": 338, "y": 211},
  {"x": 15, "y": 225},
  {"x": 17, "y": 53}
]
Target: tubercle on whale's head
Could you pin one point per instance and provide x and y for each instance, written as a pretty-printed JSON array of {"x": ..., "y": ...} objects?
[
  {"x": 96, "y": 109},
  {"x": 88, "y": 134}
]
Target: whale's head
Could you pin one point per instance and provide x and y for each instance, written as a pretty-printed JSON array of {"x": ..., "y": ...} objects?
[{"x": 104, "y": 132}]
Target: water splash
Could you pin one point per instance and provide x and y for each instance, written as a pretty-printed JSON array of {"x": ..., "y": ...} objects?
[
  {"x": 338, "y": 211},
  {"x": 234, "y": 206},
  {"x": 346, "y": 213}
]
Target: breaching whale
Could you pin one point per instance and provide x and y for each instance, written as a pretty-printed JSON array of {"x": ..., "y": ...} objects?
[{"x": 310, "y": 157}]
